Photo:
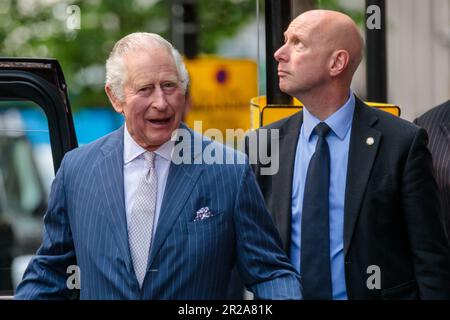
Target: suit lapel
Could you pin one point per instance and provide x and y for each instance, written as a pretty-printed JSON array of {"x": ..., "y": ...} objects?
[
  {"x": 179, "y": 186},
  {"x": 282, "y": 182},
  {"x": 360, "y": 161},
  {"x": 110, "y": 173}
]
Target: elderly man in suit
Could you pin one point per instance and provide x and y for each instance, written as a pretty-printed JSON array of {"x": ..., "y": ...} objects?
[
  {"x": 140, "y": 225},
  {"x": 354, "y": 199},
  {"x": 437, "y": 123}
]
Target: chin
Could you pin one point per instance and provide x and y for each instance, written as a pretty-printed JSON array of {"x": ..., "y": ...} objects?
[
  {"x": 285, "y": 90},
  {"x": 283, "y": 86},
  {"x": 160, "y": 139}
]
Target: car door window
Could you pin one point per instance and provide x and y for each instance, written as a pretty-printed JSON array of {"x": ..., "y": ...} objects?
[
  {"x": 36, "y": 129},
  {"x": 26, "y": 167}
]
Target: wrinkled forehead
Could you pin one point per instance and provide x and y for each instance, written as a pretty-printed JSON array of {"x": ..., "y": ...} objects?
[{"x": 301, "y": 27}]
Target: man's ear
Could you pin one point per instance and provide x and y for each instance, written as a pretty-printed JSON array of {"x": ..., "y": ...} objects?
[
  {"x": 113, "y": 99},
  {"x": 339, "y": 62}
]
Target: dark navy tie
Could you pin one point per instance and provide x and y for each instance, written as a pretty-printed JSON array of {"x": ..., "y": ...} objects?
[{"x": 315, "y": 237}]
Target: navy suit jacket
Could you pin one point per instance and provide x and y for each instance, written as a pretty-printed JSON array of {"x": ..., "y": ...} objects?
[{"x": 85, "y": 225}]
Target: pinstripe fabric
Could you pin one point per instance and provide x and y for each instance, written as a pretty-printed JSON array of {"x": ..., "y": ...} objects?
[
  {"x": 437, "y": 123},
  {"x": 86, "y": 223}
]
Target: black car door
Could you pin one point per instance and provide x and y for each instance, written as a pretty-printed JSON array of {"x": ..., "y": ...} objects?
[{"x": 36, "y": 130}]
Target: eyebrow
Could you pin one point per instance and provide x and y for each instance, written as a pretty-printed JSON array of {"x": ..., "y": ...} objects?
[{"x": 146, "y": 81}]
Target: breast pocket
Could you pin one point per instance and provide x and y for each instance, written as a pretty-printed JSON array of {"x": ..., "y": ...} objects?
[
  {"x": 382, "y": 200},
  {"x": 380, "y": 184},
  {"x": 212, "y": 224}
]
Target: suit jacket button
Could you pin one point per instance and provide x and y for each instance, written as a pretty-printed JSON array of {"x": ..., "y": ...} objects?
[{"x": 348, "y": 262}]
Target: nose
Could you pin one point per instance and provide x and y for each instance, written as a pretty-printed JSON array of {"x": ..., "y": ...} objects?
[
  {"x": 159, "y": 100},
  {"x": 280, "y": 54}
]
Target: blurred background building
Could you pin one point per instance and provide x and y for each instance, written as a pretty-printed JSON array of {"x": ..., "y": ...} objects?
[{"x": 418, "y": 54}]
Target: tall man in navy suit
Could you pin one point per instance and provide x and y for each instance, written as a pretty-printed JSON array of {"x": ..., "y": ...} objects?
[
  {"x": 140, "y": 225},
  {"x": 355, "y": 199}
]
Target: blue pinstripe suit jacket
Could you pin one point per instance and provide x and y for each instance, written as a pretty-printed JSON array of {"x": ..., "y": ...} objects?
[{"x": 86, "y": 225}]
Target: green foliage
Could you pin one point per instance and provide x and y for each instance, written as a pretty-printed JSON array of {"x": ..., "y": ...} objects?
[
  {"x": 357, "y": 16},
  {"x": 221, "y": 19},
  {"x": 38, "y": 28},
  {"x": 41, "y": 31}
]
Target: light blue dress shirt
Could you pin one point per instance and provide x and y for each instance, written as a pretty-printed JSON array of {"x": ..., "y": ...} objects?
[{"x": 338, "y": 141}]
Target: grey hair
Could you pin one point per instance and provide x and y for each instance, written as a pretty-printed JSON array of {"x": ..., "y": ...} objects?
[{"x": 116, "y": 73}]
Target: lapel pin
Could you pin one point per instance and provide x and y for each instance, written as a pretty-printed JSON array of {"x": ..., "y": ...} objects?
[{"x": 370, "y": 141}]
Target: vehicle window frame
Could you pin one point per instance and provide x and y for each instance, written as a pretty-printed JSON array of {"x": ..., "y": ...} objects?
[{"x": 16, "y": 84}]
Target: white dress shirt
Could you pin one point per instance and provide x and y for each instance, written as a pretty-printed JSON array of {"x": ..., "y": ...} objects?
[{"x": 134, "y": 168}]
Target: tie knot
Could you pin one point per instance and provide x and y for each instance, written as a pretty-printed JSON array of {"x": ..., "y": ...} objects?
[
  {"x": 150, "y": 158},
  {"x": 322, "y": 129}
]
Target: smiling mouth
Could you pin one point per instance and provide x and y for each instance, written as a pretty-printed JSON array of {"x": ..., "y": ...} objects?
[{"x": 160, "y": 121}]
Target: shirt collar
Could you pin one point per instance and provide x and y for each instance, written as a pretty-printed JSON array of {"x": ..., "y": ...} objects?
[
  {"x": 132, "y": 150},
  {"x": 339, "y": 122}
]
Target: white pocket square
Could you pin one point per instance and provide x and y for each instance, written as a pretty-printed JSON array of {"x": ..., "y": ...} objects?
[{"x": 203, "y": 213}]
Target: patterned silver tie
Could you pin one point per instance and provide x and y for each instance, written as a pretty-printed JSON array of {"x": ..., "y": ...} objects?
[{"x": 140, "y": 229}]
